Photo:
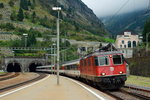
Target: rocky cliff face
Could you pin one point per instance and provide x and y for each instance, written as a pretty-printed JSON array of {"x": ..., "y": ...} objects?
[{"x": 78, "y": 13}]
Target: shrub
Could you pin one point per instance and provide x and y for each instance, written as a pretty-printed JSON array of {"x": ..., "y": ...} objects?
[
  {"x": 11, "y": 3},
  {"x": 1, "y": 5},
  {"x": 1, "y": 16},
  {"x": 13, "y": 16},
  {"x": 9, "y": 26}
]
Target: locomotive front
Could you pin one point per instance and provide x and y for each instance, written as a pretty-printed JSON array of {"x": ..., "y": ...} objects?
[{"x": 110, "y": 70}]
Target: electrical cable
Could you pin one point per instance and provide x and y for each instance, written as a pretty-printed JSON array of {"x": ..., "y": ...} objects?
[
  {"x": 120, "y": 9},
  {"x": 148, "y": 8}
]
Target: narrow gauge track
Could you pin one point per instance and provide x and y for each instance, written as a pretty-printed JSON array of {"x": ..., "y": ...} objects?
[
  {"x": 8, "y": 76},
  {"x": 23, "y": 83}
]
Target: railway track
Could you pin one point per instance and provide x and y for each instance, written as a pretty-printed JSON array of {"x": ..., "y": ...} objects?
[
  {"x": 22, "y": 83},
  {"x": 1, "y": 75},
  {"x": 8, "y": 76},
  {"x": 127, "y": 93},
  {"x": 130, "y": 93}
]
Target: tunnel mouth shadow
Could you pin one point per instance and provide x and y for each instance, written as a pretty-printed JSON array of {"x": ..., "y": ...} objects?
[
  {"x": 13, "y": 67},
  {"x": 32, "y": 66}
]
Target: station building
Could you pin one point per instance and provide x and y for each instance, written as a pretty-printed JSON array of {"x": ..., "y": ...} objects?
[{"x": 126, "y": 41}]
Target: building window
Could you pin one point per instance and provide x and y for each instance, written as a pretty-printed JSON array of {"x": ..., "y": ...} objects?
[
  {"x": 125, "y": 46},
  {"x": 83, "y": 49},
  {"x": 134, "y": 44},
  {"x": 129, "y": 44},
  {"x": 126, "y": 36},
  {"x": 120, "y": 46},
  {"x": 122, "y": 41}
]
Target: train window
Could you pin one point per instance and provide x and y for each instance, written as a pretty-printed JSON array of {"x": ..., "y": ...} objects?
[
  {"x": 96, "y": 61},
  {"x": 101, "y": 61},
  {"x": 117, "y": 59},
  {"x": 104, "y": 60}
]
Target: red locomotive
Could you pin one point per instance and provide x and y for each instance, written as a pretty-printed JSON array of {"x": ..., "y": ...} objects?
[{"x": 104, "y": 69}]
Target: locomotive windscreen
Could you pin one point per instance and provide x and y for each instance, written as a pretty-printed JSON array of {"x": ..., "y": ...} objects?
[
  {"x": 101, "y": 61},
  {"x": 117, "y": 59}
]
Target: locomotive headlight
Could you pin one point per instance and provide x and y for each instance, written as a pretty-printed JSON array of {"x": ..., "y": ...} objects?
[
  {"x": 120, "y": 72},
  {"x": 103, "y": 74}
]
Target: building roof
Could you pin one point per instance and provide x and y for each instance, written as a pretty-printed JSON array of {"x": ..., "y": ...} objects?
[{"x": 132, "y": 32}]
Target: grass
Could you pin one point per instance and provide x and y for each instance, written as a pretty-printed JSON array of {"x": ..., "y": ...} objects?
[
  {"x": 138, "y": 80},
  {"x": 2, "y": 72}
]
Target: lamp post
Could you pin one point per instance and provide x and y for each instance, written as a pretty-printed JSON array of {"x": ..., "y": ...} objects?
[
  {"x": 25, "y": 35},
  {"x": 147, "y": 34},
  {"x": 58, "y": 9}
]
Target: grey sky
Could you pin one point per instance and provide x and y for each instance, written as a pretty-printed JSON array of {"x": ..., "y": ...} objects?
[{"x": 110, "y": 7}]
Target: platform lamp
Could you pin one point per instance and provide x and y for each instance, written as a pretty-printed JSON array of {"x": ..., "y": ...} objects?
[{"x": 58, "y": 9}]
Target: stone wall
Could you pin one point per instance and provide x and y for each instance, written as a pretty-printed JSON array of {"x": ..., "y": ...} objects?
[{"x": 139, "y": 66}]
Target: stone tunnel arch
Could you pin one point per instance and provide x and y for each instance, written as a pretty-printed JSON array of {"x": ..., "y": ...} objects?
[
  {"x": 33, "y": 65},
  {"x": 13, "y": 67}
]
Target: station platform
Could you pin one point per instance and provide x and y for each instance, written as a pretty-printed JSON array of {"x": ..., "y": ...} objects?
[{"x": 47, "y": 89}]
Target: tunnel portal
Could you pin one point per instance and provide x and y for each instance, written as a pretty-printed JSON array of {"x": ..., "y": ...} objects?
[
  {"x": 13, "y": 67},
  {"x": 32, "y": 67}
]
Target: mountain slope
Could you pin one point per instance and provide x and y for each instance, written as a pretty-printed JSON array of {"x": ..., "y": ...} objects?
[
  {"x": 130, "y": 21},
  {"x": 78, "y": 13},
  {"x": 76, "y": 17}
]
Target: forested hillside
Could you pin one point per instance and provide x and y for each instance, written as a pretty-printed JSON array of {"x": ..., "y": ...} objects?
[
  {"x": 130, "y": 21},
  {"x": 37, "y": 19},
  {"x": 76, "y": 17}
]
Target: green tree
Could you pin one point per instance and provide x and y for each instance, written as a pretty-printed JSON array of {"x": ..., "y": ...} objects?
[
  {"x": 1, "y": 5},
  {"x": 27, "y": 15},
  {"x": 29, "y": 3},
  {"x": 34, "y": 2},
  {"x": 1, "y": 16},
  {"x": 34, "y": 17},
  {"x": 11, "y": 3},
  {"x": 146, "y": 30},
  {"x": 24, "y": 4},
  {"x": 17, "y": 43},
  {"x": 31, "y": 40},
  {"x": 13, "y": 16},
  {"x": 45, "y": 22},
  {"x": 20, "y": 15}
]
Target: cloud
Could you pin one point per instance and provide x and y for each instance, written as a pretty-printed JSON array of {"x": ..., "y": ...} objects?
[{"x": 110, "y": 7}]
